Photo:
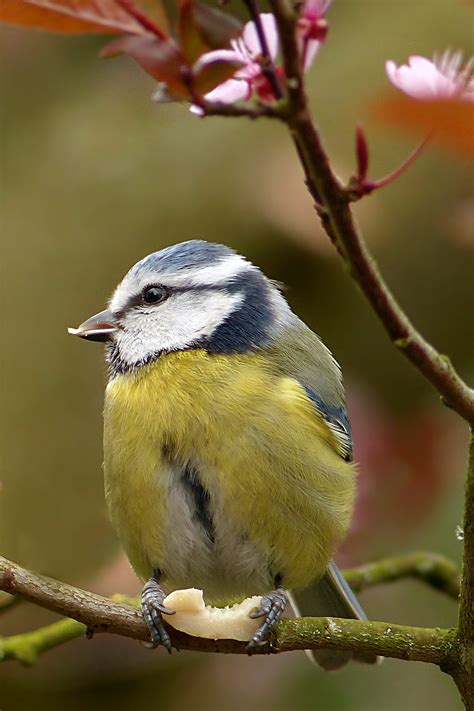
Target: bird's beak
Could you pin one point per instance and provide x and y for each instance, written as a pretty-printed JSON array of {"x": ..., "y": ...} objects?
[{"x": 97, "y": 328}]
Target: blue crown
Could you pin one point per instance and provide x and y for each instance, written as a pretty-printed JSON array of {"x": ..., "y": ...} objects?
[{"x": 186, "y": 255}]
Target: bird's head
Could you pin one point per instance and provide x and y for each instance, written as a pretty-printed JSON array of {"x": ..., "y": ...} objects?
[{"x": 192, "y": 295}]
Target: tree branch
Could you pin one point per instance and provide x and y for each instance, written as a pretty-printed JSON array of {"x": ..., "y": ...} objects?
[
  {"x": 251, "y": 111},
  {"x": 7, "y": 602},
  {"x": 464, "y": 674},
  {"x": 93, "y": 613},
  {"x": 27, "y": 647},
  {"x": 333, "y": 205},
  {"x": 435, "y": 570},
  {"x": 466, "y": 608}
]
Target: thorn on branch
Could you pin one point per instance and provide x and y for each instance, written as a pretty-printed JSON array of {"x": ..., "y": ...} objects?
[
  {"x": 360, "y": 185},
  {"x": 362, "y": 153}
]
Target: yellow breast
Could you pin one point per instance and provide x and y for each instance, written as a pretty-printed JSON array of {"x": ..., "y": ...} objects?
[{"x": 266, "y": 459}]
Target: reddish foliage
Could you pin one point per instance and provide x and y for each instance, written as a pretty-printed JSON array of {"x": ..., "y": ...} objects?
[
  {"x": 145, "y": 28},
  {"x": 162, "y": 59},
  {"x": 71, "y": 16},
  {"x": 202, "y": 28}
]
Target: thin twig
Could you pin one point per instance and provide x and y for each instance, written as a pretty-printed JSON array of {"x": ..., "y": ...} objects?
[
  {"x": 7, "y": 602},
  {"x": 27, "y": 647},
  {"x": 359, "y": 186},
  {"x": 251, "y": 111},
  {"x": 433, "y": 569}
]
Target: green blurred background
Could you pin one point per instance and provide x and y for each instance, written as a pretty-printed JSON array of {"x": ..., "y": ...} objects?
[{"x": 95, "y": 176}]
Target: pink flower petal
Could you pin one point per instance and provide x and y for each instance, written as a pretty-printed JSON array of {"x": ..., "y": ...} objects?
[
  {"x": 196, "y": 110},
  {"x": 316, "y": 8},
  {"x": 312, "y": 48},
  {"x": 218, "y": 55},
  {"x": 412, "y": 81},
  {"x": 229, "y": 91},
  {"x": 429, "y": 78},
  {"x": 246, "y": 50},
  {"x": 250, "y": 37},
  {"x": 423, "y": 79},
  {"x": 249, "y": 71}
]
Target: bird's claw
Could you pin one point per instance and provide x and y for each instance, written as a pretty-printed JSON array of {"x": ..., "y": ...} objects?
[
  {"x": 153, "y": 610},
  {"x": 271, "y": 608}
]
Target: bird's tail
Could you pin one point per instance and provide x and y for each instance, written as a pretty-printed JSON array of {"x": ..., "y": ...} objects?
[{"x": 330, "y": 596}]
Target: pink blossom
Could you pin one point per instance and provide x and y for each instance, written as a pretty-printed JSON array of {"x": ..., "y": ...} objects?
[
  {"x": 246, "y": 51},
  {"x": 312, "y": 29},
  {"x": 249, "y": 80},
  {"x": 443, "y": 78}
]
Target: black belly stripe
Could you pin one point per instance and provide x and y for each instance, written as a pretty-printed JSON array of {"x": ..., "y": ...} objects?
[{"x": 201, "y": 499}]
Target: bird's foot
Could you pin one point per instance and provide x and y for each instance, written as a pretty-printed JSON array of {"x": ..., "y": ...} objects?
[
  {"x": 153, "y": 611},
  {"x": 271, "y": 608}
]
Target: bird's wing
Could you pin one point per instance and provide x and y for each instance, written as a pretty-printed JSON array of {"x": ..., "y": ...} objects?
[
  {"x": 306, "y": 359},
  {"x": 301, "y": 355},
  {"x": 337, "y": 420}
]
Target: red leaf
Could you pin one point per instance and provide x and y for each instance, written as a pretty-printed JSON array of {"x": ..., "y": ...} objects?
[
  {"x": 162, "y": 59},
  {"x": 203, "y": 28},
  {"x": 217, "y": 28},
  {"x": 214, "y": 73},
  {"x": 148, "y": 13},
  {"x": 191, "y": 41},
  {"x": 75, "y": 16},
  {"x": 450, "y": 121}
]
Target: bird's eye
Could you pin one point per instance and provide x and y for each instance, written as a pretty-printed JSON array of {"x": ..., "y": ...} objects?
[{"x": 154, "y": 294}]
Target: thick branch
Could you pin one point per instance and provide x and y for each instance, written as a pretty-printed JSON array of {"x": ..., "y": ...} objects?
[
  {"x": 99, "y": 614},
  {"x": 435, "y": 570},
  {"x": 464, "y": 676},
  {"x": 466, "y": 609},
  {"x": 334, "y": 209}
]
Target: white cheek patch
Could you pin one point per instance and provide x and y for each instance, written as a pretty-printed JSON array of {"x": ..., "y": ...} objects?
[{"x": 174, "y": 325}]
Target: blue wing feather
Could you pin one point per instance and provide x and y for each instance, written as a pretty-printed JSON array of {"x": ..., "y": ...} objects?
[{"x": 337, "y": 419}]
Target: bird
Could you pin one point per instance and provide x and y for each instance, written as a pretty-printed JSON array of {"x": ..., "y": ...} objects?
[{"x": 227, "y": 445}]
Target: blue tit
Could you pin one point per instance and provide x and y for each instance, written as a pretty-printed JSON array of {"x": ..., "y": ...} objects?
[{"x": 227, "y": 446}]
